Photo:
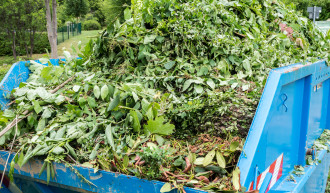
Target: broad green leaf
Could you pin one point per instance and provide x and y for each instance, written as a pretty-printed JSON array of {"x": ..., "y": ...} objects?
[
  {"x": 149, "y": 38},
  {"x": 127, "y": 14},
  {"x": 167, "y": 187},
  {"x": 157, "y": 126},
  {"x": 114, "y": 103},
  {"x": 208, "y": 158},
  {"x": 58, "y": 150},
  {"x": 37, "y": 107},
  {"x": 160, "y": 140},
  {"x": 20, "y": 159},
  {"x": 220, "y": 159},
  {"x": 47, "y": 113},
  {"x": 46, "y": 73},
  {"x": 236, "y": 179},
  {"x": 76, "y": 88},
  {"x": 125, "y": 161},
  {"x": 199, "y": 161},
  {"x": 59, "y": 99},
  {"x": 169, "y": 65},
  {"x": 91, "y": 102},
  {"x": 136, "y": 121},
  {"x": 233, "y": 145},
  {"x": 186, "y": 85},
  {"x": 210, "y": 82},
  {"x": 198, "y": 88},
  {"x": 104, "y": 91}
]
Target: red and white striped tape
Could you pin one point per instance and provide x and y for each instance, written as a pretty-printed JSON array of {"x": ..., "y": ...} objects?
[{"x": 275, "y": 169}]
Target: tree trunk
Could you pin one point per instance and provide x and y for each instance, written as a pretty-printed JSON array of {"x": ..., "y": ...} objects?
[
  {"x": 32, "y": 41},
  {"x": 52, "y": 27},
  {"x": 14, "y": 45}
]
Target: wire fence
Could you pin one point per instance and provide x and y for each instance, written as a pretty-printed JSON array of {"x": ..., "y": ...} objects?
[{"x": 66, "y": 32}]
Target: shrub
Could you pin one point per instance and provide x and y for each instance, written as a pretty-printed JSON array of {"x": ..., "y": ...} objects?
[
  {"x": 91, "y": 25},
  {"x": 3, "y": 71}
]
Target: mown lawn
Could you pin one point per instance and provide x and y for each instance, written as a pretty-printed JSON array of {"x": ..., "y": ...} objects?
[{"x": 7, "y": 61}]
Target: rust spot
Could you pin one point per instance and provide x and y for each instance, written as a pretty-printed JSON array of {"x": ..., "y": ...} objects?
[{"x": 294, "y": 69}]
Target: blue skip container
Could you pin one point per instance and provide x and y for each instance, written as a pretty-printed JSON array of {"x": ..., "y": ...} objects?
[{"x": 293, "y": 112}]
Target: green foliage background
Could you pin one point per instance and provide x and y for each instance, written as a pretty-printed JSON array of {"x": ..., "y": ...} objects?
[{"x": 301, "y": 5}]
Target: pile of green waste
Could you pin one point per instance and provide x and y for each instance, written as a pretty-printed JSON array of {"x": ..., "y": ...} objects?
[{"x": 169, "y": 94}]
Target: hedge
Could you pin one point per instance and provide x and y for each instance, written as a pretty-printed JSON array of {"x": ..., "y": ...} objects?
[{"x": 91, "y": 25}]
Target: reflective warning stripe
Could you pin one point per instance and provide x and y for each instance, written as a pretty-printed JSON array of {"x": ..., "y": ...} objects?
[{"x": 275, "y": 169}]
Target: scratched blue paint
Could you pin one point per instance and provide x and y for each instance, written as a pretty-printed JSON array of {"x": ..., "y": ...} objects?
[{"x": 292, "y": 113}]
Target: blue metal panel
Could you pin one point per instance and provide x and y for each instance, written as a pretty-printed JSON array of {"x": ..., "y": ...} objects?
[
  {"x": 311, "y": 182},
  {"x": 292, "y": 113},
  {"x": 104, "y": 181}
]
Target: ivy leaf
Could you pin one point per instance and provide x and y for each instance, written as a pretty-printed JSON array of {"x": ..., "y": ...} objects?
[
  {"x": 220, "y": 159},
  {"x": 157, "y": 126},
  {"x": 104, "y": 91},
  {"x": 97, "y": 91},
  {"x": 167, "y": 187},
  {"x": 208, "y": 158}
]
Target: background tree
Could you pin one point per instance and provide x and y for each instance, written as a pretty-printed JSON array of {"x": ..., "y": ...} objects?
[
  {"x": 19, "y": 21},
  {"x": 76, "y": 8},
  {"x": 96, "y": 9},
  {"x": 52, "y": 26}
]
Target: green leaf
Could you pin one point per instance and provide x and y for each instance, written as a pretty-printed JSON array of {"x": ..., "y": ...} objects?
[
  {"x": 97, "y": 91},
  {"x": 20, "y": 159},
  {"x": 199, "y": 161},
  {"x": 46, "y": 114},
  {"x": 37, "y": 107},
  {"x": 136, "y": 121},
  {"x": 125, "y": 161},
  {"x": 167, "y": 187},
  {"x": 46, "y": 73},
  {"x": 43, "y": 167},
  {"x": 233, "y": 145},
  {"x": 198, "y": 88},
  {"x": 157, "y": 126},
  {"x": 11, "y": 171},
  {"x": 48, "y": 172},
  {"x": 76, "y": 88},
  {"x": 210, "y": 83},
  {"x": 114, "y": 103},
  {"x": 127, "y": 14},
  {"x": 169, "y": 65},
  {"x": 220, "y": 159},
  {"x": 91, "y": 102},
  {"x": 208, "y": 158},
  {"x": 149, "y": 38},
  {"x": 109, "y": 136},
  {"x": 236, "y": 181},
  {"x": 104, "y": 91},
  {"x": 58, "y": 150},
  {"x": 186, "y": 85}
]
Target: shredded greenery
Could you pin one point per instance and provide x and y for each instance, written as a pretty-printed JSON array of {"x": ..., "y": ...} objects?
[{"x": 169, "y": 94}]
